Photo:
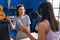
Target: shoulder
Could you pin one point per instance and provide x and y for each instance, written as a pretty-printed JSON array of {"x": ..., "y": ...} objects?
[
  {"x": 44, "y": 25},
  {"x": 26, "y": 16},
  {"x": 15, "y": 18}
]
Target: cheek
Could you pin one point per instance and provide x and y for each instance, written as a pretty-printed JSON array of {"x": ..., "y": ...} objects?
[
  {"x": 19, "y": 11},
  {"x": 23, "y": 11}
]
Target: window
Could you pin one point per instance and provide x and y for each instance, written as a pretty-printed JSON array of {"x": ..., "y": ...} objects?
[{"x": 56, "y": 8}]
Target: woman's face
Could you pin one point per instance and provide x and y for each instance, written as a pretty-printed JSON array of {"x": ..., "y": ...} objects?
[{"x": 21, "y": 11}]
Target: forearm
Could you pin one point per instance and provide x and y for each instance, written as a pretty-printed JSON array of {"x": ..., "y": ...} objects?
[
  {"x": 30, "y": 36},
  {"x": 11, "y": 25},
  {"x": 26, "y": 31},
  {"x": 28, "y": 28}
]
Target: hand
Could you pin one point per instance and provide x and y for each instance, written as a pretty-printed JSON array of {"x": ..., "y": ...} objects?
[
  {"x": 24, "y": 28},
  {"x": 8, "y": 19}
]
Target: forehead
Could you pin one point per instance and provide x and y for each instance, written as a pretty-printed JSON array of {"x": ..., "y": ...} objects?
[{"x": 21, "y": 8}]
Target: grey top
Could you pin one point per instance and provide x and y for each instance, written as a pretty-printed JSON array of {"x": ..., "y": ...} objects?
[{"x": 25, "y": 21}]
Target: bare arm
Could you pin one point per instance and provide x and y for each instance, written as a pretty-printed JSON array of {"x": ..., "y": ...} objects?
[
  {"x": 25, "y": 30},
  {"x": 41, "y": 31},
  {"x": 29, "y": 22},
  {"x": 28, "y": 27},
  {"x": 10, "y": 23}
]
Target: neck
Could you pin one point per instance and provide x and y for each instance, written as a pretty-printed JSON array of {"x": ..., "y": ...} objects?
[{"x": 21, "y": 16}]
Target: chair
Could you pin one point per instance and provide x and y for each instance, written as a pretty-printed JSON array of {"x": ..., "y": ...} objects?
[{"x": 4, "y": 31}]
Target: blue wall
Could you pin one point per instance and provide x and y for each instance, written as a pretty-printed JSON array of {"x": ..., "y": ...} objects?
[
  {"x": 32, "y": 4},
  {"x": 14, "y": 3},
  {"x": 27, "y": 3},
  {"x": 4, "y": 3}
]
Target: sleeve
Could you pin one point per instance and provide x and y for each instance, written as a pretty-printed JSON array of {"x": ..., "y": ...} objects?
[{"x": 28, "y": 20}]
